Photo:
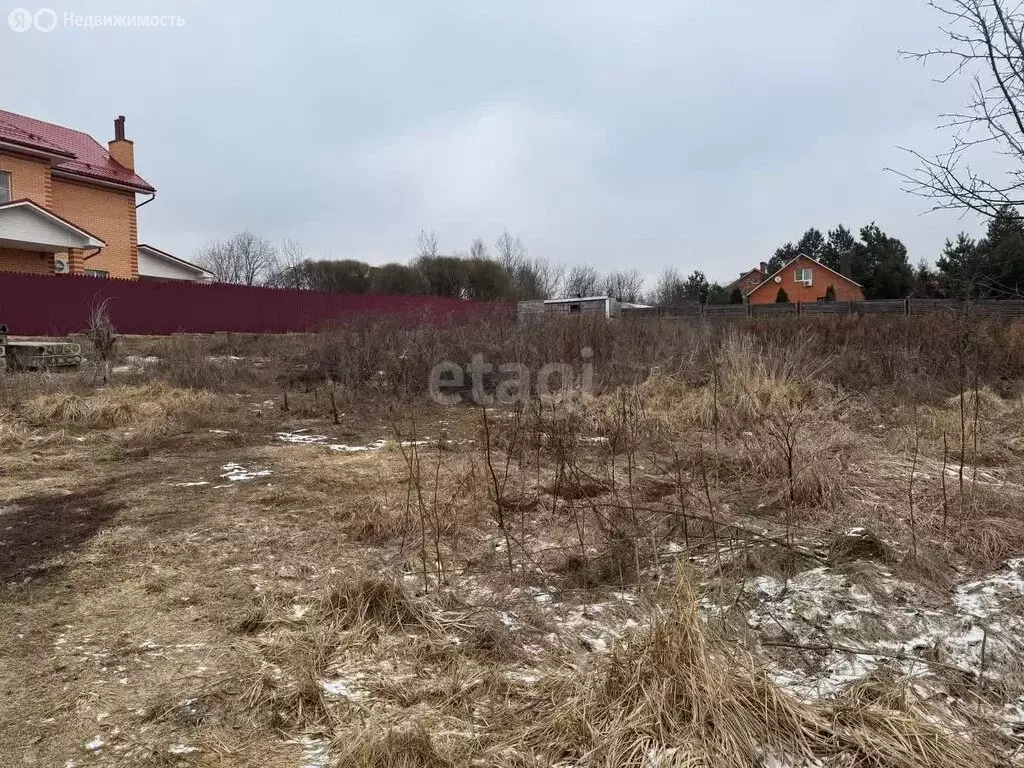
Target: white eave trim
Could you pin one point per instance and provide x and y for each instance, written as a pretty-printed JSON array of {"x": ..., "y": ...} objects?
[
  {"x": 172, "y": 259},
  {"x": 90, "y": 241}
]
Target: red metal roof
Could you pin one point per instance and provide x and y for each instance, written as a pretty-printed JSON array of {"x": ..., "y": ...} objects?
[{"x": 86, "y": 157}]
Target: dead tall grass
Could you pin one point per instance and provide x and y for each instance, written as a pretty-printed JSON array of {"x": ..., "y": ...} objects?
[
  {"x": 14, "y": 433},
  {"x": 742, "y": 380},
  {"x": 674, "y": 696},
  {"x": 151, "y": 409},
  {"x": 410, "y": 746}
]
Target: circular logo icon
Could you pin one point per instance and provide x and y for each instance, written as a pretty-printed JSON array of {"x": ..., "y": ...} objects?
[
  {"x": 45, "y": 19},
  {"x": 19, "y": 20}
]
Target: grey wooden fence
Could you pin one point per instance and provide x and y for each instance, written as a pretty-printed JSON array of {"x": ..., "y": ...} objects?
[{"x": 1008, "y": 308}]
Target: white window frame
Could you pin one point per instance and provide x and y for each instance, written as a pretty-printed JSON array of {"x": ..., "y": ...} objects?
[
  {"x": 6, "y": 195},
  {"x": 804, "y": 275}
]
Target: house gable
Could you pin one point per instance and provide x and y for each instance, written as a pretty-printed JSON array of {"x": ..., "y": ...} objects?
[
  {"x": 28, "y": 226},
  {"x": 821, "y": 277}
]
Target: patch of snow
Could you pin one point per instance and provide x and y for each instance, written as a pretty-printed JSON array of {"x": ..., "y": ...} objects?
[
  {"x": 509, "y": 620},
  {"x": 191, "y": 485},
  {"x": 299, "y": 438},
  {"x": 985, "y": 597},
  {"x": 821, "y": 608},
  {"x": 236, "y": 473},
  {"x": 95, "y": 745},
  {"x": 379, "y": 445},
  {"x": 182, "y": 749},
  {"x": 316, "y": 753},
  {"x": 343, "y": 688}
]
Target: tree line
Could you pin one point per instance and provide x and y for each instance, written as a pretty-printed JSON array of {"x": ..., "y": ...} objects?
[
  {"x": 967, "y": 268},
  {"x": 989, "y": 267},
  {"x": 506, "y": 273}
]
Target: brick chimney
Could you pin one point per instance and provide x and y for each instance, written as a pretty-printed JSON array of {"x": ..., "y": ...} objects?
[
  {"x": 764, "y": 268},
  {"x": 846, "y": 264},
  {"x": 120, "y": 148}
]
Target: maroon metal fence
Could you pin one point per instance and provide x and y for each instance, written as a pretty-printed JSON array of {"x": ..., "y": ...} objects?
[{"x": 56, "y": 305}]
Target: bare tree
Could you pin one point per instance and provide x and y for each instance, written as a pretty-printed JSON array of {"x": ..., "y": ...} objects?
[
  {"x": 245, "y": 258},
  {"x": 627, "y": 285},
  {"x": 427, "y": 244},
  {"x": 531, "y": 278},
  {"x": 511, "y": 252},
  {"x": 478, "y": 250},
  {"x": 670, "y": 290},
  {"x": 986, "y": 44},
  {"x": 546, "y": 278},
  {"x": 216, "y": 258},
  {"x": 290, "y": 272},
  {"x": 582, "y": 281}
]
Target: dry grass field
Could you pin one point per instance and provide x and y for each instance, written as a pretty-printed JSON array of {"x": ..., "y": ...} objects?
[{"x": 771, "y": 545}]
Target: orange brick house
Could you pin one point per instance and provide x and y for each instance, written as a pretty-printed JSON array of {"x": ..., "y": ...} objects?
[
  {"x": 805, "y": 280},
  {"x": 749, "y": 280},
  {"x": 67, "y": 204}
]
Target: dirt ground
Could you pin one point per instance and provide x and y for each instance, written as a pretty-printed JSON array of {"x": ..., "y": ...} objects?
[{"x": 195, "y": 578}]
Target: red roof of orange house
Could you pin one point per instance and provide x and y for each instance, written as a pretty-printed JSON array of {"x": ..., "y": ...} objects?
[{"x": 85, "y": 156}]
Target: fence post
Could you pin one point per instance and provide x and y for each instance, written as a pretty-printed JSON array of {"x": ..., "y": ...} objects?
[
  {"x": 798, "y": 309},
  {"x": 906, "y": 307},
  {"x": 750, "y": 309}
]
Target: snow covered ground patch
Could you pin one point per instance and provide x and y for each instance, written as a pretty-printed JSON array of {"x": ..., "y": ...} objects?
[
  {"x": 828, "y": 632},
  {"x": 376, "y": 446},
  {"x": 300, "y": 437},
  {"x": 236, "y": 473}
]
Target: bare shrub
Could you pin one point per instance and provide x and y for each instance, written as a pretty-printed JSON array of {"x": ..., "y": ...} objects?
[
  {"x": 185, "y": 362},
  {"x": 103, "y": 336}
]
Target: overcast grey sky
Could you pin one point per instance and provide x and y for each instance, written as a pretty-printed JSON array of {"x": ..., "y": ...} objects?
[{"x": 690, "y": 133}]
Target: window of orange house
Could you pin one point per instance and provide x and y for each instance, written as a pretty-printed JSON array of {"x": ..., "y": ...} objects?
[{"x": 5, "y": 187}]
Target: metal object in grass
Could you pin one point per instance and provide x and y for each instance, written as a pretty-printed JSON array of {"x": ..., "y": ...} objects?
[{"x": 38, "y": 354}]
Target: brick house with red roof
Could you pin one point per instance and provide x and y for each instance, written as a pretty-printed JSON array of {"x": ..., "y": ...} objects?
[
  {"x": 806, "y": 280},
  {"x": 67, "y": 203},
  {"x": 748, "y": 280}
]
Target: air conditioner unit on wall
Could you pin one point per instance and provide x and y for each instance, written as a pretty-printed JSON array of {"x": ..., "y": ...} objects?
[{"x": 60, "y": 265}]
